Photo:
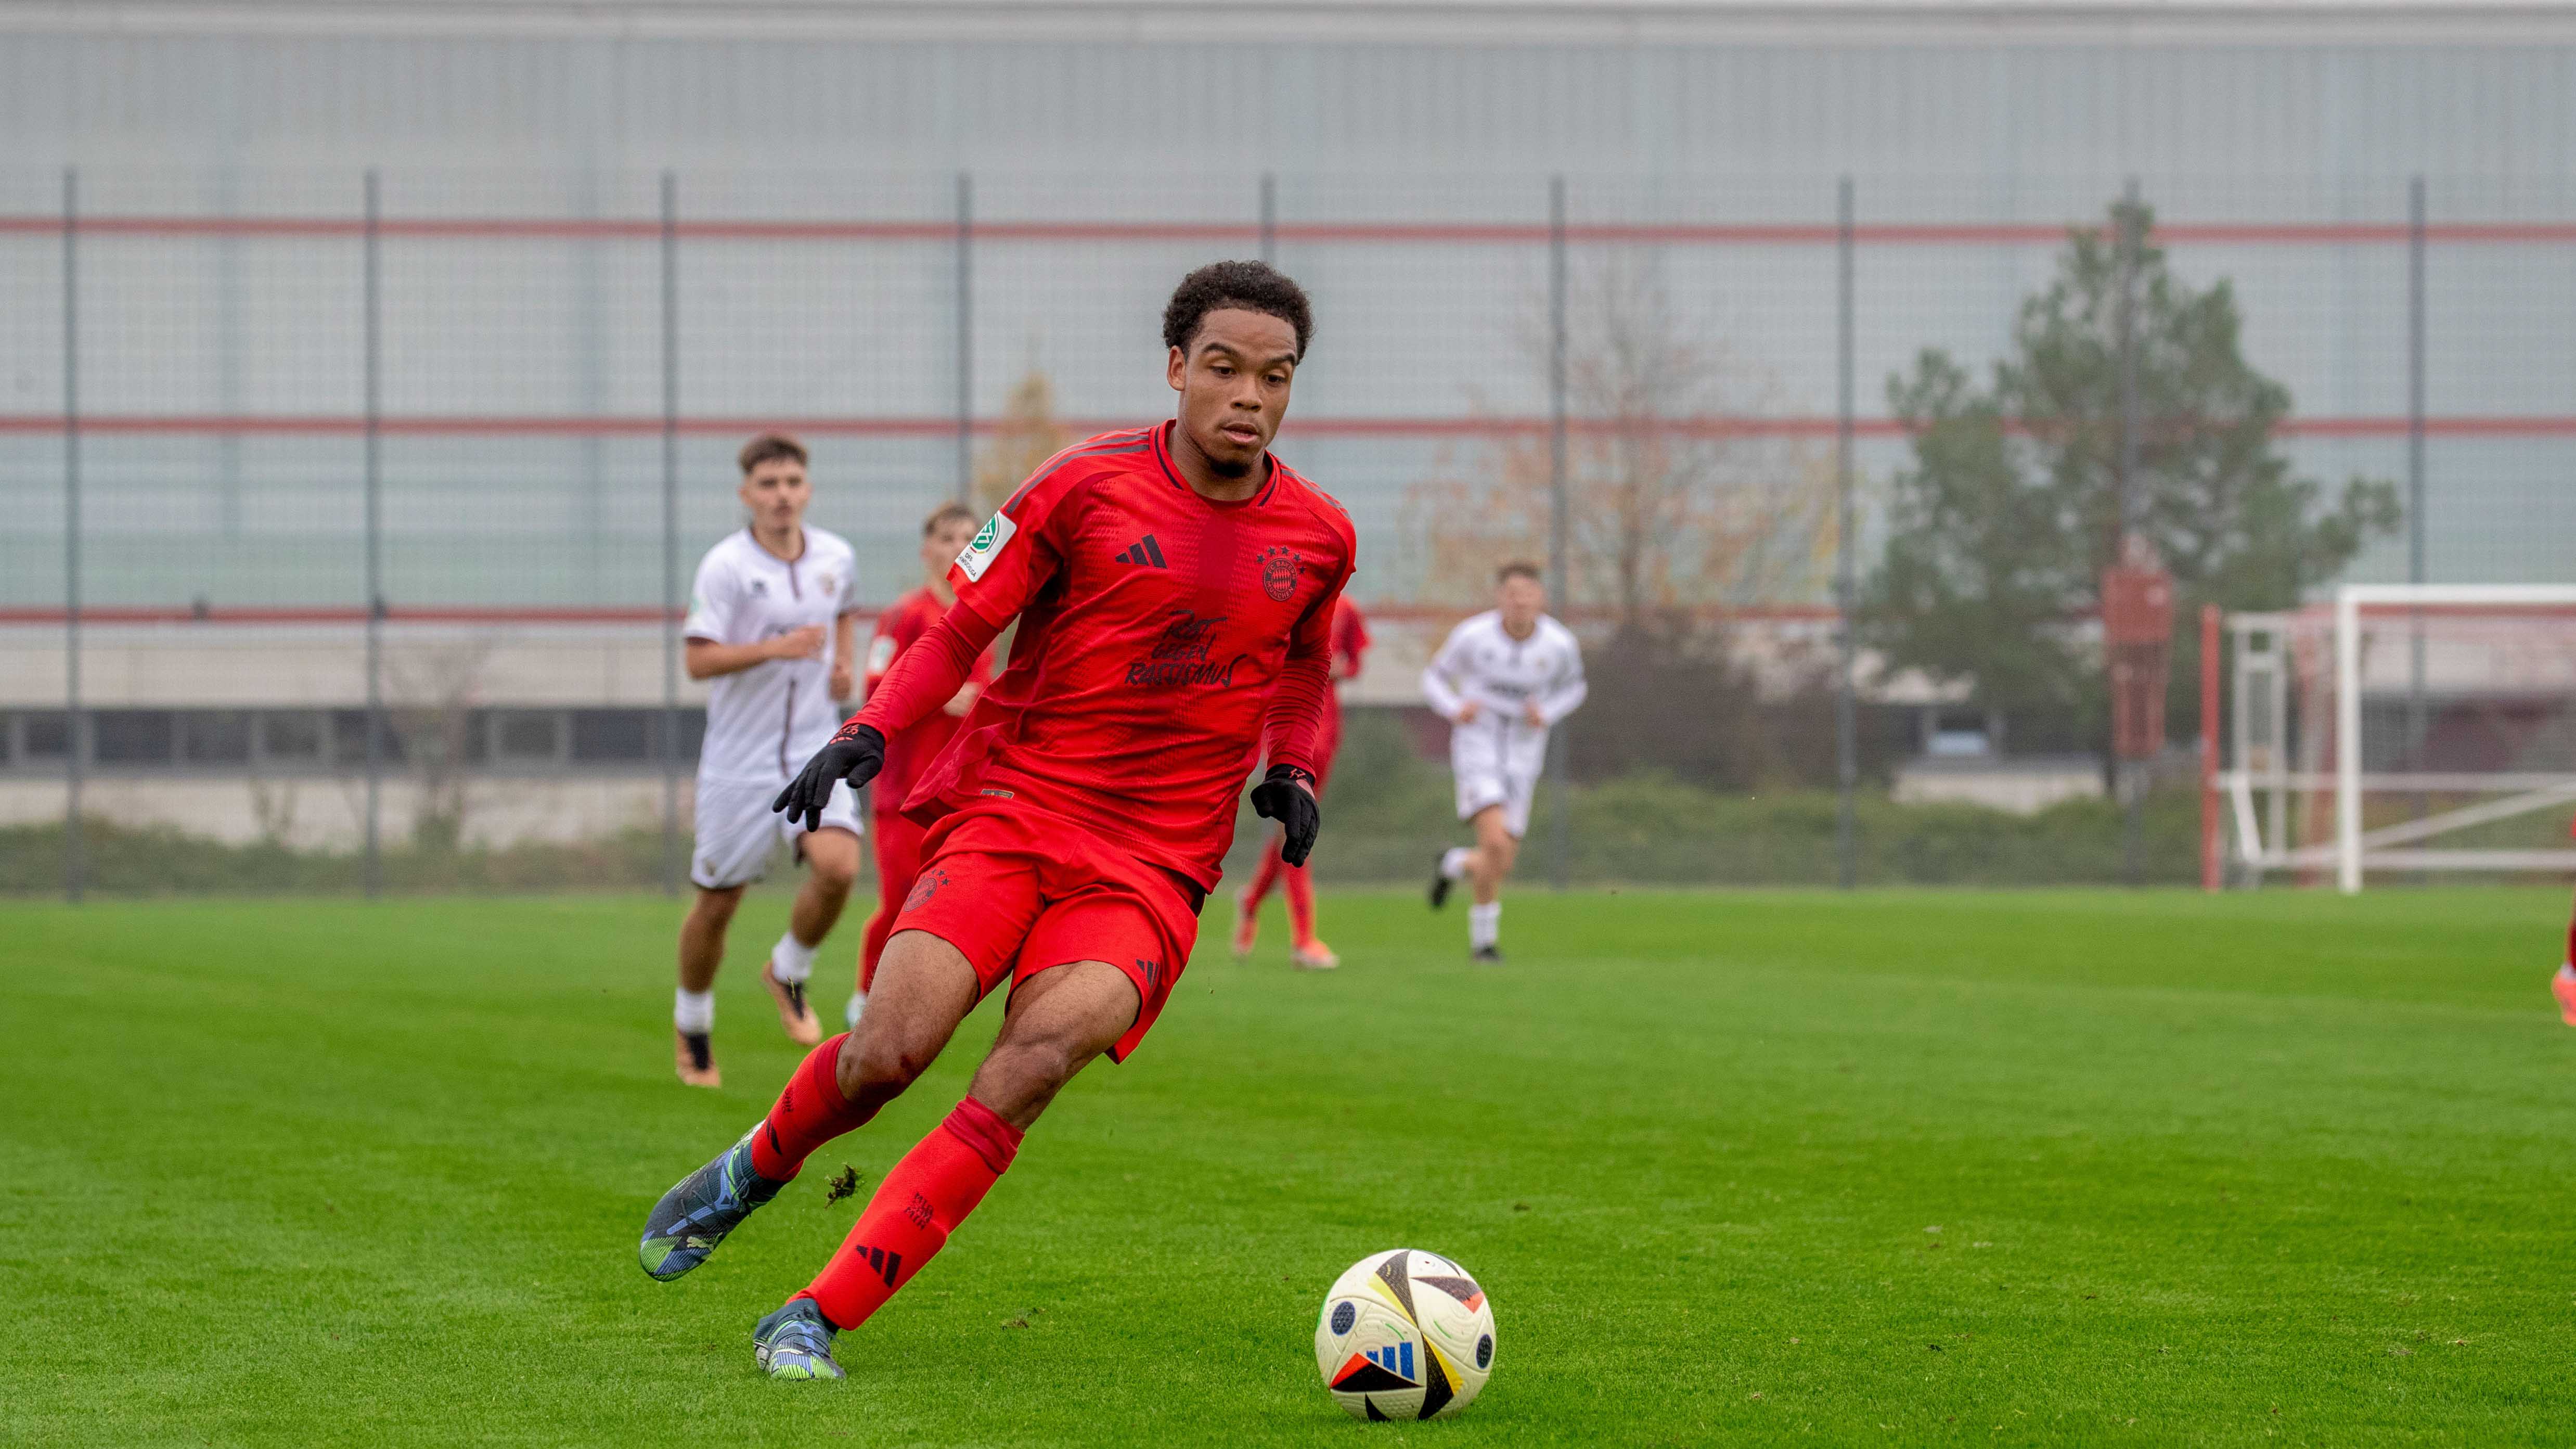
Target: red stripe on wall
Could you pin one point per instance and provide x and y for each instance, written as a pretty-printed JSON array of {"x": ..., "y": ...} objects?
[
  {"x": 2209, "y": 233},
  {"x": 1809, "y": 426}
]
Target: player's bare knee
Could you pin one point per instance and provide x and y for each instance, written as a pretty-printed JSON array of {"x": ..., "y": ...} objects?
[
  {"x": 881, "y": 1059},
  {"x": 1018, "y": 1079},
  {"x": 834, "y": 876},
  {"x": 1038, "y": 1066},
  {"x": 714, "y": 909},
  {"x": 1059, "y": 1020}
]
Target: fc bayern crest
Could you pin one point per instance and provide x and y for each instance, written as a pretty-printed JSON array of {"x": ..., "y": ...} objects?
[{"x": 1279, "y": 572}]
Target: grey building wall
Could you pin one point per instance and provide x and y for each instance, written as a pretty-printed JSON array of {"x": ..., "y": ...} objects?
[{"x": 1428, "y": 114}]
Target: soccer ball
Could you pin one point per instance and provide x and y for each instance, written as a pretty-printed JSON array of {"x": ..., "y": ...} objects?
[{"x": 1405, "y": 1335}]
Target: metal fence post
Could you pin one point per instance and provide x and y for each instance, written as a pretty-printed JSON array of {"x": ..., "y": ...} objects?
[
  {"x": 375, "y": 882},
  {"x": 2130, "y": 775},
  {"x": 670, "y": 534},
  {"x": 966, "y": 338},
  {"x": 75, "y": 723},
  {"x": 1846, "y": 561},
  {"x": 1269, "y": 218},
  {"x": 1561, "y": 826},
  {"x": 2416, "y": 720}
]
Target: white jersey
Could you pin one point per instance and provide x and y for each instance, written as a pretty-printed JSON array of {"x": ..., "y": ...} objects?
[
  {"x": 1500, "y": 674},
  {"x": 1496, "y": 757},
  {"x": 765, "y": 721}
]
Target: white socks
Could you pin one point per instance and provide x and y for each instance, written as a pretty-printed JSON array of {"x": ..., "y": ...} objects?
[
  {"x": 791, "y": 960},
  {"x": 858, "y": 1006},
  {"x": 1484, "y": 925},
  {"x": 693, "y": 1012},
  {"x": 1453, "y": 865}
]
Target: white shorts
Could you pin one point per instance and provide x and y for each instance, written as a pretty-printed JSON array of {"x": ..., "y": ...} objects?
[
  {"x": 1497, "y": 761},
  {"x": 737, "y": 829}
]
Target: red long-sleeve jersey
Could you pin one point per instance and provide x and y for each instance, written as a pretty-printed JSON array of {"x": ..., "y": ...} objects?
[
  {"x": 910, "y": 751},
  {"x": 1166, "y": 640}
]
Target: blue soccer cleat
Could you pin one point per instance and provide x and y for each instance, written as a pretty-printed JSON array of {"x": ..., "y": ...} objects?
[
  {"x": 795, "y": 1342},
  {"x": 693, "y": 1217}
]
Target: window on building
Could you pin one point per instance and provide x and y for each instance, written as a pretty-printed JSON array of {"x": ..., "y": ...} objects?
[
  {"x": 291, "y": 736},
  {"x": 349, "y": 738},
  {"x": 133, "y": 736},
  {"x": 611, "y": 736},
  {"x": 45, "y": 734},
  {"x": 527, "y": 736},
  {"x": 215, "y": 737}
]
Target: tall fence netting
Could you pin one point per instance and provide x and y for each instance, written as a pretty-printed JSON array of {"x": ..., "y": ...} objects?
[{"x": 336, "y": 503}]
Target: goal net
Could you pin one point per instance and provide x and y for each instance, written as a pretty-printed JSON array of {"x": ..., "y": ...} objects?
[{"x": 2403, "y": 727}]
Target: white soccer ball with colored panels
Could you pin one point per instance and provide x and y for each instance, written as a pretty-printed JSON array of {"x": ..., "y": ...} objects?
[{"x": 1405, "y": 1335}]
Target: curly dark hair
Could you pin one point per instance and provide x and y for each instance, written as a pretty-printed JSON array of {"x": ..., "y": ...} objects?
[{"x": 1251, "y": 286}]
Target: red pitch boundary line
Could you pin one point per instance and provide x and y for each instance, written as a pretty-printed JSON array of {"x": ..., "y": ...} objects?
[
  {"x": 1806, "y": 427},
  {"x": 1471, "y": 233}
]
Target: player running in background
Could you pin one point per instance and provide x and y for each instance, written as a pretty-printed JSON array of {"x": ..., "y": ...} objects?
[
  {"x": 1350, "y": 641},
  {"x": 1174, "y": 590},
  {"x": 944, "y": 535},
  {"x": 769, "y": 602},
  {"x": 1501, "y": 680},
  {"x": 2563, "y": 985}
]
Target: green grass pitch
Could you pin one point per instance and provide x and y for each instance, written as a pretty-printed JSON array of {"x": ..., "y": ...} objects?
[{"x": 1897, "y": 1168}]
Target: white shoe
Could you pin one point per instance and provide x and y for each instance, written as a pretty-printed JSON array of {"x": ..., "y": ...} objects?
[{"x": 858, "y": 1005}]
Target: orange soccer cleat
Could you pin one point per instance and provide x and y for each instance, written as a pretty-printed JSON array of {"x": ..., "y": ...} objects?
[
  {"x": 795, "y": 1013},
  {"x": 1247, "y": 925},
  {"x": 2563, "y": 986},
  {"x": 1315, "y": 956},
  {"x": 694, "y": 1057}
]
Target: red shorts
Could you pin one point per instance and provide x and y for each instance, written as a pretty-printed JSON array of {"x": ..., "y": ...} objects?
[
  {"x": 1018, "y": 890},
  {"x": 898, "y": 861}
]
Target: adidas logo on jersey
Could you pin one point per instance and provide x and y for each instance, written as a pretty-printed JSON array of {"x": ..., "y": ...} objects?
[{"x": 1144, "y": 551}]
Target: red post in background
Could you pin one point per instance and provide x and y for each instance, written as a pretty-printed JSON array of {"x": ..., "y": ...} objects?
[
  {"x": 2212, "y": 860},
  {"x": 2137, "y": 633},
  {"x": 2137, "y": 637}
]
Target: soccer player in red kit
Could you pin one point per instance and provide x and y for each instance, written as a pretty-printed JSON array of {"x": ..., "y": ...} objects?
[
  {"x": 1174, "y": 590},
  {"x": 2563, "y": 984},
  {"x": 1305, "y": 951},
  {"x": 944, "y": 535}
]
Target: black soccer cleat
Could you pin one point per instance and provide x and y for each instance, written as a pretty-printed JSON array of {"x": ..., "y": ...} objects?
[
  {"x": 1440, "y": 881},
  {"x": 1486, "y": 956}
]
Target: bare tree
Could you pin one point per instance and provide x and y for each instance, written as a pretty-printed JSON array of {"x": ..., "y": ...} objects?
[
  {"x": 436, "y": 689},
  {"x": 1026, "y": 435},
  {"x": 1673, "y": 503}
]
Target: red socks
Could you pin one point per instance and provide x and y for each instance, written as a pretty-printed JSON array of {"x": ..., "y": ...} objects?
[
  {"x": 1301, "y": 907},
  {"x": 1263, "y": 879},
  {"x": 921, "y": 1202},
  {"x": 810, "y": 1112},
  {"x": 1301, "y": 895}
]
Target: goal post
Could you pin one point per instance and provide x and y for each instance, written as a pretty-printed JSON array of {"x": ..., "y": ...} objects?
[{"x": 2460, "y": 696}]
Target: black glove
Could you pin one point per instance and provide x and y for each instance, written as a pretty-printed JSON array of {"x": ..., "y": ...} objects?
[
  {"x": 1286, "y": 795},
  {"x": 855, "y": 755}
]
